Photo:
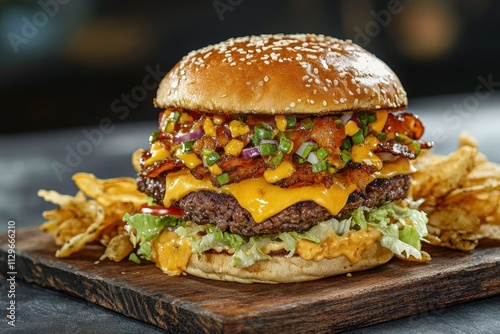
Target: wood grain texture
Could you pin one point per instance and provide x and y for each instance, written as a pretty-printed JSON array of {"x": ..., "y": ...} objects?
[{"x": 193, "y": 305}]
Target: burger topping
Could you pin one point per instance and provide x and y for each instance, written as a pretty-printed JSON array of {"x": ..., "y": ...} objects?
[{"x": 324, "y": 143}]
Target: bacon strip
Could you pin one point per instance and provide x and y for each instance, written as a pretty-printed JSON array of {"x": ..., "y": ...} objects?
[
  {"x": 405, "y": 123},
  {"x": 161, "y": 166}
]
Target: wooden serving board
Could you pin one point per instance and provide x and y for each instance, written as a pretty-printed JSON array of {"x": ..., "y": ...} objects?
[{"x": 194, "y": 305}]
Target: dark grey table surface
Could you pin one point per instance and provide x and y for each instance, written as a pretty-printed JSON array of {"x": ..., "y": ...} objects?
[{"x": 28, "y": 161}]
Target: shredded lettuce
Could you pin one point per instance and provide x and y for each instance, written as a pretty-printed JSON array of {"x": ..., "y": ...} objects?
[
  {"x": 402, "y": 228},
  {"x": 147, "y": 228}
]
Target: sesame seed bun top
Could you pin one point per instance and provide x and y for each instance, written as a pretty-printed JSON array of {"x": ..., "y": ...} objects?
[{"x": 281, "y": 74}]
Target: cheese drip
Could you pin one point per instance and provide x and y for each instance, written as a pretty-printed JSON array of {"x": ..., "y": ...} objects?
[
  {"x": 263, "y": 200},
  {"x": 170, "y": 252},
  {"x": 351, "y": 245}
]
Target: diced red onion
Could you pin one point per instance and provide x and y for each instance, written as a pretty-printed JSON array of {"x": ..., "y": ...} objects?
[
  {"x": 302, "y": 147},
  {"x": 350, "y": 117},
  {"x": 190, "y": 136},
  {"x": 250, "y": 152},
  {"x": 228, "y": 133},
  {"x": 346, "y": 117},
  {"x": 312, "y": 158}
]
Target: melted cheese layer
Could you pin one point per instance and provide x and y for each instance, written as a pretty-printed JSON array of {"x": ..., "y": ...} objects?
[
  {"x": 264, "y": 200},
  {"x": 351, "y": 245}
]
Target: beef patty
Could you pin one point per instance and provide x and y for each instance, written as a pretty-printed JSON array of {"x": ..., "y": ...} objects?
[{"x": 203, "y": 207}]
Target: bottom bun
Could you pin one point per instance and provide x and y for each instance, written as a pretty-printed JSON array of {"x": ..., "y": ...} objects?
[{"x": 279, "y": 269}]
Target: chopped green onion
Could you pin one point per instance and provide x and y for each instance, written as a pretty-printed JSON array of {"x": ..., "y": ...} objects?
[
  {"x": 320, "y": 166},
  {"x": 205, "y": 152},
  {"x": 153, "y": 136},
  {"x": 262, "y": 131},
  {"x": 223, "y": 179},
  {"x": 358, "y": 137},
  {"x": 307, "y": 150},
  {"x": 187, "y": 146},
  {"x": 267, "y": 149},
  {"x": 212, "y": 158},
  {"x": 345, "y": 156},
  {"x": 322, "y": 153},
  {"x": 307, "y": 123},
  {"x": 291, "y": 121},
  {"x": 298, "y": 159},
  {"x": 346, "y": 144},
  {"x": 275, "y": 160},
  {"x": 381, "y": 136},
  {"x": 285, "y": 145},
  {"x": 371, "y": 118},
  {"x": 365, "y": 130}
]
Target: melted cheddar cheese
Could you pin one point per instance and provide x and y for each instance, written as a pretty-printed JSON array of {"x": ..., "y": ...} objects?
[
  {"x": 351, "y": 245},
  {"x": 264, "y": 200},
  {"x": 170, "y": 252}
]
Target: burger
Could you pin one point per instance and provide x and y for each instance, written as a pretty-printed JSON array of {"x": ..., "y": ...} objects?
[{"x": 279, "y": 158}]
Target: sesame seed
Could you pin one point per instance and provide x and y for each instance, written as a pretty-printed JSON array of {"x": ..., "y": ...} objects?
[
  {"x": 266, "y": 78},
  {"x": 292, "y": 104},
  {"x": 342, "y": 100},
  {"x": 233, "y": 64},
  {"x": 335, "y": 82},
  {"x": 315, "y": 70},
  {"x": 317, "y": 81},
  {"x": 248, "y": 83},
  {"x": 266, "y": 62},
  {"x": 325, "y": 103}
]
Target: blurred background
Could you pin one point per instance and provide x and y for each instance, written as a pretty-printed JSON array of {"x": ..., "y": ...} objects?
[{"x": 67, "y": 63}]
